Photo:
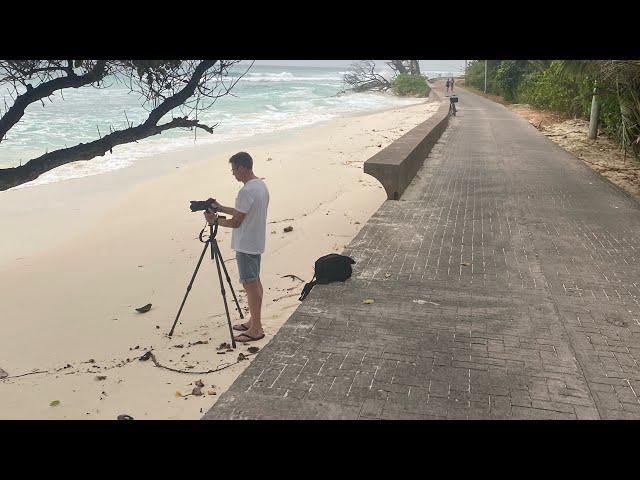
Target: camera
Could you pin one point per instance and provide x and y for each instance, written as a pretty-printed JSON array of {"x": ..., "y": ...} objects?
[
  {"x": 453, "y": 99},
  {"x": 199, "y": 205}
]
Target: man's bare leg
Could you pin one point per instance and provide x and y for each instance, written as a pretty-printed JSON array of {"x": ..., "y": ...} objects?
[
  {"x": 254, "y": 298},
  {"x": 247, "y": 324}
]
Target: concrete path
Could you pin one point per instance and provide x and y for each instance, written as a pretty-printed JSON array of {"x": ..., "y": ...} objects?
[{"x": 506, "y": 286}]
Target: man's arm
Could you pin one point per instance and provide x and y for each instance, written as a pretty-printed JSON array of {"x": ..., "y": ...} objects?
[
  {"x": 221, "y": 208},
  {"x": 227, "y": 210},
  {"x": 233, "y": 222},
  {"x": 244, "y": 201}
]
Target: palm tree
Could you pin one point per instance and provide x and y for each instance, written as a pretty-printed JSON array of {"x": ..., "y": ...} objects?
[{"x": 620, "y": 79}]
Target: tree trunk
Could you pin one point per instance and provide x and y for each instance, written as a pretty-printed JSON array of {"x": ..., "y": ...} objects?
[{"x": 399, "y": 66}]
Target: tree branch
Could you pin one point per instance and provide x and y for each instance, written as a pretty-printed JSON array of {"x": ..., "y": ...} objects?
[
  {"x": 15, "y": 113},
  {"x": 363, "y": 77},
  {"x": 182, "y": 96},
  {"x": 192, "y": 79},
  {"x": 10, "y": 177}
]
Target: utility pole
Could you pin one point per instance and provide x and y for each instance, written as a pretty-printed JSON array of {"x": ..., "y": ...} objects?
[
  {"x": 595, "y": 110},
  {"x": 485, "y": 76}
]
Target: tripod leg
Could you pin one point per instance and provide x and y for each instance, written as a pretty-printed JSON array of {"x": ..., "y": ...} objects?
[
  {"x": 189, "y": 287},
  {"x": 226, "y": 274},
  {"x": 218, "y": 258}
]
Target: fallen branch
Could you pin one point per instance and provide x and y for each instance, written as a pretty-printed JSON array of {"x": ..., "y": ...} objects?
[
  {"x": 285, "y": 220},
  {"x": 25, "y": 374},
  {"x": 222, "y": 367},
  {"x": 286, "y": 296},
  {"x": 293, "y": 277}
]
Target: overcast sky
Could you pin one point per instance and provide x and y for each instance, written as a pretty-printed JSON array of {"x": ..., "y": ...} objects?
[{"x": 454, "y": 66}]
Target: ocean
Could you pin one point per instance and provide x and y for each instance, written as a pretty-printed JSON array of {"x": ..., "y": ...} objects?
[{"x": 266, "y": 99}]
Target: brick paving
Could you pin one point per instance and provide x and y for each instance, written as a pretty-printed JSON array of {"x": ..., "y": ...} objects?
[{"x": 506, "y": 286}]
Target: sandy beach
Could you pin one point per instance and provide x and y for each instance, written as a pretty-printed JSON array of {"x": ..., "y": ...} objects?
[{"x": 79, "y": 256}]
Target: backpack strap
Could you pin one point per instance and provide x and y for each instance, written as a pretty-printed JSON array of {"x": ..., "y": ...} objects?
[{"x": 307, "y": 288}]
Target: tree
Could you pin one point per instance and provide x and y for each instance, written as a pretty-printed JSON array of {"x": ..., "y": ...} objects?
[
  {"x": 398, "y": 66},
  {"x": 508, "y": 76},
  {"x": 411, "y": 67},
  {"x": 165, "y": 86},
  {"x": 618, "y": 81},
  {"x": 364, "y": 77}
]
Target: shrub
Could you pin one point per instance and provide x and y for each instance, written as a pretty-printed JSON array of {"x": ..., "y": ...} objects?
[
  {"x": 508, "y": 76},
  {"x": 474, "y": 75},
  {"x": 411, "y": 85},
  {"x": 549, "y": 91},
  {"x": 546, "y": 85}
]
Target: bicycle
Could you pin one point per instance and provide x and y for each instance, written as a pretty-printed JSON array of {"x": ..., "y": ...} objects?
[{"x": 452, "y": 105}]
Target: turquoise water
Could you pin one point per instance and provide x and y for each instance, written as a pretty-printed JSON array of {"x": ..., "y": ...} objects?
[{"x": 266, "y": 99}]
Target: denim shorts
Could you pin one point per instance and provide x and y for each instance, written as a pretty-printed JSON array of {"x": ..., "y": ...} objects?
[{"x": 248, "y": 266}]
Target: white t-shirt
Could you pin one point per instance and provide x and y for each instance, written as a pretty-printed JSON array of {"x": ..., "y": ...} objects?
[{"x": 253, "y": 200}]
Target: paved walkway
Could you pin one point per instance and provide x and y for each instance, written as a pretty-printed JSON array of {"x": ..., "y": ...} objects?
[{"x": 506, "y": 285}]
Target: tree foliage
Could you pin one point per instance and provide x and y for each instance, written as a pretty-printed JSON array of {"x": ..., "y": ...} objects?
[{"x": 566, "y": 87}]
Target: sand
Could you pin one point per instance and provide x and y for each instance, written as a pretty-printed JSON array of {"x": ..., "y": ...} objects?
[{"x": 79, "y": 256}]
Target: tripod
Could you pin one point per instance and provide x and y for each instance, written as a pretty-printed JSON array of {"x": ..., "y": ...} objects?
[{"x": 217, "y": 256}]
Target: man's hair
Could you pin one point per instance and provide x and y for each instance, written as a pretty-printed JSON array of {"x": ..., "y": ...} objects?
[{"x": 242, "y": 159}]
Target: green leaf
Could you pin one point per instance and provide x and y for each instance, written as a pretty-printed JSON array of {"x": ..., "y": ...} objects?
[{"x": 55, "y": 403}]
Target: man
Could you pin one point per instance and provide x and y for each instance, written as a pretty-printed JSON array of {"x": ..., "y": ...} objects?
[
  {"x": 249, "y": 224},
  {"x": 447, "y": 84},
  {"x": 452, "y": 82}
]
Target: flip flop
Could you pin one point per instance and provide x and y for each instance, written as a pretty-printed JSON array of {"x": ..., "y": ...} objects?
[
  {"x": 240, "y": 328},
  {"x": 251, "y": 339}
]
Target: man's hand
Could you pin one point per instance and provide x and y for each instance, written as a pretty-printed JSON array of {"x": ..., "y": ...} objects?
[
  {"x": 214, "y": 204},
  {"x": 210, "y": 216}
]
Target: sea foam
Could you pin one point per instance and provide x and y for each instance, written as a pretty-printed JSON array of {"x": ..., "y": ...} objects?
[{"x": 263, "y": 101}]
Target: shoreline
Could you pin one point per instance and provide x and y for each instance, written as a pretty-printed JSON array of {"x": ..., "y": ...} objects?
[
  {"x": 224, "y": 144},
  {"x": 93, "y": 194},
  {"x": 71, "y": 299}
]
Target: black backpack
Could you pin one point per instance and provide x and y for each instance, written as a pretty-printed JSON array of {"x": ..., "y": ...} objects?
[{"x": 330, "y": 268}]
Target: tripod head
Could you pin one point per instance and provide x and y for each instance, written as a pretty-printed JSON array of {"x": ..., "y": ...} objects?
[{"x": 213, "y": 229}]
